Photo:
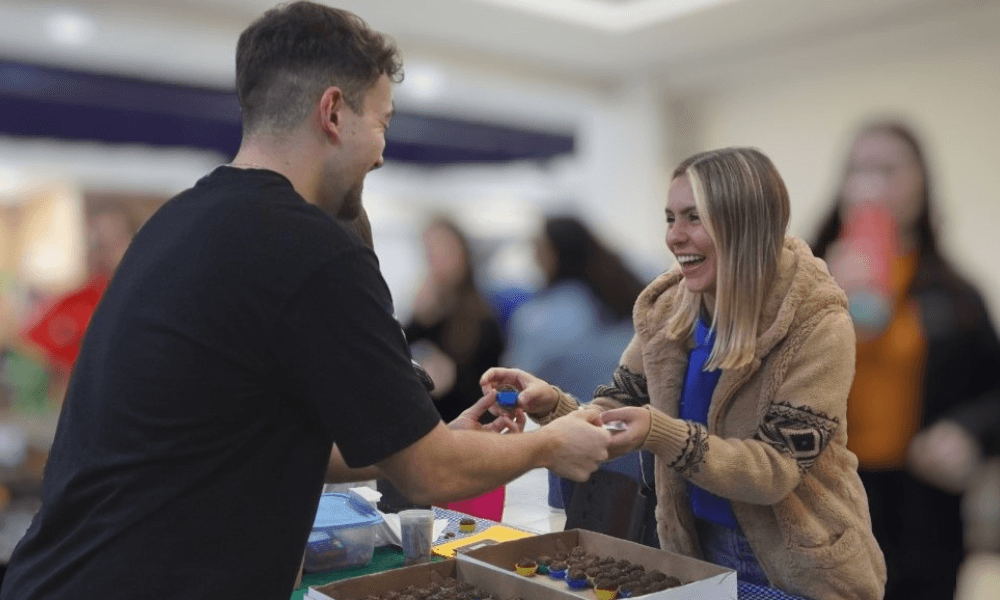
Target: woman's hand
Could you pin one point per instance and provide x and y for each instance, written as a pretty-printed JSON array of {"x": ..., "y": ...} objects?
[
  {"x": 944, "y": 455},
  {"x": 535, "y": 395},
  {"x": 438, "y": 365},
  {"x": 848, "y": 265},
  {"x": 469, "y": 419},
  {"x": 637, "y": 422}
]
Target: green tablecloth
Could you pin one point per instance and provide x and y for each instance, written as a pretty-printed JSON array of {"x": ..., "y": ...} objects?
[{"x": 384, "y": 558}]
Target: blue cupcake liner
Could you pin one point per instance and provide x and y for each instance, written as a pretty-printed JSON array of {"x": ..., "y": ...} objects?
[{"x": 577, "y": 584}]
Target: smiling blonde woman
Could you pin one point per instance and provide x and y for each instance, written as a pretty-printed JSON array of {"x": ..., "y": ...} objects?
[{"x": 737, "y": 379}]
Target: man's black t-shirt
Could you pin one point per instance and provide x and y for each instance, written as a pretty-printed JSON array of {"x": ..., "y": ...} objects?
[{"x": 244, "y": 333}]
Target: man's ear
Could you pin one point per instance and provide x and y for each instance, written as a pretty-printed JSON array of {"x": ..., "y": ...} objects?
[{"x": 331, "y": 107}]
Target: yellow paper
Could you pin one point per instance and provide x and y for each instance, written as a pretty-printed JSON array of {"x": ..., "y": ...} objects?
[{"x": 488, "y": 537}]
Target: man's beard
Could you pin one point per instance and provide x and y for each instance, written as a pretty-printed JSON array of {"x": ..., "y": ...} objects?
[{"x": 350, "y": 208}]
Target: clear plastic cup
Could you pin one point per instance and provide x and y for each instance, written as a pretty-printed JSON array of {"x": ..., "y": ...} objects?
[{"x": 416, "y": 532}]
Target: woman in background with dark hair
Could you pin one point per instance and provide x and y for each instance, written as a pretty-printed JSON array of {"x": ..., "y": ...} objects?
[
  {"x": 573, "y": 331},
  {"x": 925, "y": 345},
  {"x": 588, "y": 296},
  {"x": 452, "y": 332},
  {"x": 455, "y": 336}
]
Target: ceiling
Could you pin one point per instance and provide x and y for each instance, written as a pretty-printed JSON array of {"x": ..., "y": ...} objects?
[{"x": 684, "y": 44}]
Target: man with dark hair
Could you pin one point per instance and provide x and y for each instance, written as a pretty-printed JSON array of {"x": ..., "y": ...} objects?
[{"x": 246, "y": 348}]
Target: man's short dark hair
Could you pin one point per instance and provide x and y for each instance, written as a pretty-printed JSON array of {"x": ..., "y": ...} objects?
[{"x": 288, "y": 56}]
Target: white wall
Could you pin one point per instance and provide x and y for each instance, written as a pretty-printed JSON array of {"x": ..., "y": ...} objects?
[
  {"x": 805, "y": 123},
  {"x": 630, "y": 134},
  {"x": 614, "y": 180}
]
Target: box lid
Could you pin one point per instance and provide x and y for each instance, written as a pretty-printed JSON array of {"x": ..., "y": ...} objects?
[
  {"x": 700, "y": 580},
  {"x": 341, "y": 511}
]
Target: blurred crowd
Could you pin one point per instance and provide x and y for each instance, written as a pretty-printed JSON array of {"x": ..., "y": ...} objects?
[
  {"x": 37, "y": 353},
  {"x": 923, "y": 413}
]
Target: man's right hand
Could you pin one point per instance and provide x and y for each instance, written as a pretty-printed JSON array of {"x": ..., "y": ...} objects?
[{"x": 580, "y": 444}]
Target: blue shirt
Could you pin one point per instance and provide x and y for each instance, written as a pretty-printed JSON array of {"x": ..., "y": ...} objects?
[
  {"x": 696, "y": 397},
  {"x": 560, "y": 335}
]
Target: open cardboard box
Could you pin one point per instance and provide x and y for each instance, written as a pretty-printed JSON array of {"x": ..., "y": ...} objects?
[
  {"x": 491, "y": 568},
  {"x": 700, "y": 580},
  {"x": 500, "y": 585}
]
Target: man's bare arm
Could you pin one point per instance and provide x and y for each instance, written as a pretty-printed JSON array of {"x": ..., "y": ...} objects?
[
  {"x": 447, "y": 465},
  {"x": 337, "y": 470}
]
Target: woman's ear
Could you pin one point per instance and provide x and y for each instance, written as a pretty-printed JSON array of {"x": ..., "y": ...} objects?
[{"x": 331, "y": 106}]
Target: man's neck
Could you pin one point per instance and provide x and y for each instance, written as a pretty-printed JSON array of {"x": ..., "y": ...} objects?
[
  {"x": 255, "y": 156},
  {"x": 278, "y": 157}
]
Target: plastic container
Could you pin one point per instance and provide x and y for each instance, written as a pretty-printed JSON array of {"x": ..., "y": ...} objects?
[{"x": 343, "y": 534}]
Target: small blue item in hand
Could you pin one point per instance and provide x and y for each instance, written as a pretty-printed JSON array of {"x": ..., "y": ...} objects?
[{"x": 507, "y": 399}]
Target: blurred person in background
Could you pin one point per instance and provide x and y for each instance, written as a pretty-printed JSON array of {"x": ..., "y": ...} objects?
[
  {"x": 452, "y": 331},
  {"x": 245, "y": 348},
  {"x": 575, "y": 328},
  {"x": 35, "y": 368},
  {"x": 737, "y": 379},
  {"x": 455, "y": 337},
  {"x": 960, "y": 454},
  {"x": 362, "y": 226},
  {"x": 925, "y": 346},
  {"x": 56, "y": 335},
  {"x": 572, "y": 332}
]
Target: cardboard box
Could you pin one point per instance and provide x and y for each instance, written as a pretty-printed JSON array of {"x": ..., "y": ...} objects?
[
  {"x": 501, "y": 585},
  {"x": 490, "y": 568},
  {"x": 700, "y": 580}
]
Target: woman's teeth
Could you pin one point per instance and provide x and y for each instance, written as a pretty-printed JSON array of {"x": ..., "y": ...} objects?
[{"x": 690, "y": 260}]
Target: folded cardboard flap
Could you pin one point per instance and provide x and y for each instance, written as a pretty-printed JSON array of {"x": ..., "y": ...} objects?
[
  {"x": 699, "y": 579},
  {"x": 501, "y": 585}
]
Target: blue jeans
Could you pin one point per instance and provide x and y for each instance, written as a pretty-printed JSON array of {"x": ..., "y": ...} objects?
[{"x": 729, "y": 548}]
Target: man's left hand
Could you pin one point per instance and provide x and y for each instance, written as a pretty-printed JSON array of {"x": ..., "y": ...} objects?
[{"x": 469, "y": 419}]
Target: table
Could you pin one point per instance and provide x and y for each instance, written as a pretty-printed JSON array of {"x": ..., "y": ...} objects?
[{"x": 391, "y": 557}]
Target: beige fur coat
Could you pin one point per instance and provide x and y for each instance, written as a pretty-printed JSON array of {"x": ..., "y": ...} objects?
[{"x": 776, "y": 440}]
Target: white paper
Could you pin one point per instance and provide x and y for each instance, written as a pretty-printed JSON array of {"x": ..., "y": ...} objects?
[{"x": 366, "y": 495}]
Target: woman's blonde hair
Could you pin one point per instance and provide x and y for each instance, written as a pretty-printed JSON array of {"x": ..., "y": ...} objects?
[{"x": 743, "y": 204}]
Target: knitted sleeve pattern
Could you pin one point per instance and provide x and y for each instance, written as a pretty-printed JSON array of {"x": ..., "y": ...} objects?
[
  {"x": 627, "y": 387},
  {"x": 565, "y": 404},
  {"x": 799, "y": 431},
  {"x": 683, "y": 444}
]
